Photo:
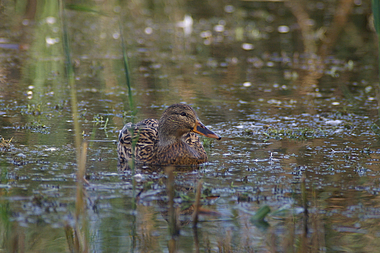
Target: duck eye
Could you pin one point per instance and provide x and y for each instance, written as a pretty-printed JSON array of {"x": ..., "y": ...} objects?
[{"x": 183, "y": 114}]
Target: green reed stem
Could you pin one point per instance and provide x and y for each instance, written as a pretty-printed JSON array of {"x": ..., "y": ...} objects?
[
  {"x": 376, "y": 14},
  {"x": 130, "y": 95},
  {"x": 70, "y": 79},
  {"x": 376, "y": 21},
  {"x": 127, "y": 72}
]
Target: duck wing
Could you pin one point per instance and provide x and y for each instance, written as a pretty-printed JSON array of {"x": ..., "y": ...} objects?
[{"x": 145, "y": 137}]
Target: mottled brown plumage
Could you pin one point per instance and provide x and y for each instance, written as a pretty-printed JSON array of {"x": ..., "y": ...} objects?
[{"x": 169, "y": 141}]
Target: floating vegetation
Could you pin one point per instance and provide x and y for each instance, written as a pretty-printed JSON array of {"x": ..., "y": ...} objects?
[
  {"x": 33, "y": 109},
  {"x": 375, "y": 128},
  {"x": 100, "y": 121},
  {"x": 207, "y": 142},
  {"x": 299, "y": 134},
  {"x": 286, "y": 133},
  {"x": 5, "y": 144},
  {"x": 260, "y": 214},
  {"x": 61, "y": 106},
  {"x": 35, "y": 126}
]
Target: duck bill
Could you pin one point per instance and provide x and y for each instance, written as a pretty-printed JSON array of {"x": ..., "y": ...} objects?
[{"x": 201, "y": 129}]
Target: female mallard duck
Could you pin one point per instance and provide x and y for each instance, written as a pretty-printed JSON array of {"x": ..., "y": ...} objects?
[{"x": 169, "y": 141}]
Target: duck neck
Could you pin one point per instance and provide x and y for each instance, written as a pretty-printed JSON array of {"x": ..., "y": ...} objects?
[{"x": 165, "y": 140}]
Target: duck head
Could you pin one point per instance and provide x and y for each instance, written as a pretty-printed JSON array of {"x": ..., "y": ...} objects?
[{"x": 177, "y": 120}]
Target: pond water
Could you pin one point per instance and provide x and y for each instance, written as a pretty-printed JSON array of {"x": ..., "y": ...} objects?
[{"x": 290, "y": 87}]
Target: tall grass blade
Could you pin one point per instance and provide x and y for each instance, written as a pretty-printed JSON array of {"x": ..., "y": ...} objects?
[
  {"x": 83, "y": 8},
  {"x": 71, "y": 239},
  {"x": 70, "y": 79},
  {"x": 376, "y": 21},
  {"x": 127, "y": 73},
  {"x": 130, "y": 96},
  {"x": 80, "y": 242},
  {"x": 376, "y": 15}
]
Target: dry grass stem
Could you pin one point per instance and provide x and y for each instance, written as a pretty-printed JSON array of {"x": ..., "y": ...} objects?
[{"x": 197, "y": 204}]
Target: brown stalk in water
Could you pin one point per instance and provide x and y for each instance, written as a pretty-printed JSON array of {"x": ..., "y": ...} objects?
[
  {"x": 172, "y": 214},
  {"x": 197, "y": 204},
  {"x": 304, "y": 239},
  {"x": 77, "y": 241}
]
